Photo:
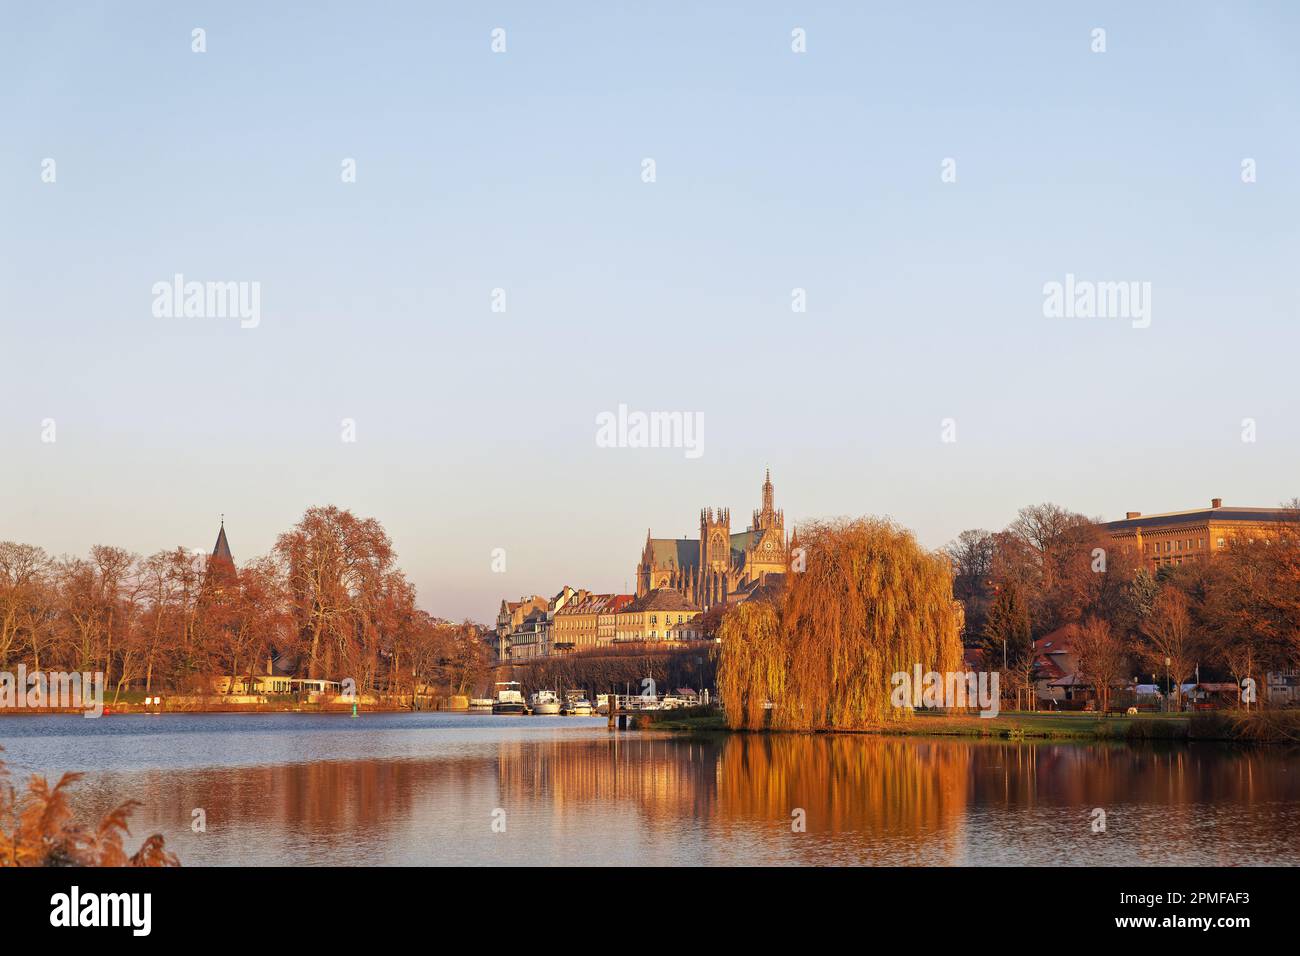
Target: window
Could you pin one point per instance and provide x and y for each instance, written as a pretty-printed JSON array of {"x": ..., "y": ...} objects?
[{"x": 1221, "y": 542}]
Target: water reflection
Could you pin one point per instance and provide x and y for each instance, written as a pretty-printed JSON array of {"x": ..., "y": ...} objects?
[{"x": 588, "y": 797}]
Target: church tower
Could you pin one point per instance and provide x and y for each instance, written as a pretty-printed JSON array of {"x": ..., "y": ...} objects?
[
  {"x": 715, "y": 557},
  {"x": 768, "y": 518},
  {"x": 766, "y": 551},
  {"x": 715, "y": 539},
  {"x": 219, "y": 571},
  {"x": 221, "y": 550}
]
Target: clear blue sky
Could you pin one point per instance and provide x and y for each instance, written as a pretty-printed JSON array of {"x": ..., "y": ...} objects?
[{"x": 775, "y": 170}]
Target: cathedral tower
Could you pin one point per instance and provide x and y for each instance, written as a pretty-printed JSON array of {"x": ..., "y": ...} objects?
[
  {"x": 715, "y": 539},
  {"x": 768, "y": 518}
]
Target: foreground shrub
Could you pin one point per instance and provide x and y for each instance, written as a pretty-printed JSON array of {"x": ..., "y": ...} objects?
[{"x": 37, "y": 829}]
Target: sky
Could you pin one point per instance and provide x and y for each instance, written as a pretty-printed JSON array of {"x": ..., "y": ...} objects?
[{"x": 923, "y": 380}]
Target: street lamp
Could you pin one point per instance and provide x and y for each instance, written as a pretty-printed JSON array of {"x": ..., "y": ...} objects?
[{"x": 1167, "y": 685}]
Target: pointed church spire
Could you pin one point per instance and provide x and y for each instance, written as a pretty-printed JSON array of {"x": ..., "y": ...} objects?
[{"x": 222, "y": 547}]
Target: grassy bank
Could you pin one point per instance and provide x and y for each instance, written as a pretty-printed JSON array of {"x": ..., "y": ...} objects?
[
  {"x": 688, "y": 719},
  {"x": 271, "y": 704},
  {"x": 1229, "y": 726}
]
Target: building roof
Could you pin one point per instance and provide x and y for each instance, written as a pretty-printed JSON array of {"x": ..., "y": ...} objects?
[
  {"x": 771, "y": 589},
  {"x": 678, "y": 552},
  {"x": 1200, "y": 516},
  {"x": 1056, "y": 642},
  {"x": 1071, "y": 680},
  {"x": 592, "y": 604},
  {"x": 742, "y": 541},
  {"x": 222, "y": 547},
  {"x": 661, "y": 599},
  {"x": 685, "y": 552},
  {"x": 1047, "y": 669}
]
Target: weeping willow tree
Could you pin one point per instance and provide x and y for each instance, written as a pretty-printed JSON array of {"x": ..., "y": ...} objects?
[
  {"x": 754, "y": 665},
  {"x": 869, "y": 603}
]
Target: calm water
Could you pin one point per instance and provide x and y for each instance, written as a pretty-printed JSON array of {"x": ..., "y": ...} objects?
[{"x": 424, "y": 788}]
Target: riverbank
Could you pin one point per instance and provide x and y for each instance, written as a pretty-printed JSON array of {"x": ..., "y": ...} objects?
[
  {"x": 1222, "y": 726},
  {"x": 220, "y": 705}
]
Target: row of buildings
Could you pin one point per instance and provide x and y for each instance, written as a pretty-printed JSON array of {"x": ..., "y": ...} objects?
[
  {"x": 577, "y": 620},
  {"x": 677, "y": 581},
  {"x": 680, "y": 579}
]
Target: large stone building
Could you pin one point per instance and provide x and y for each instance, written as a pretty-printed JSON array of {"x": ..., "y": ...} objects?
[
  {"x": 576, "y": 626},
  {"x": 526, "y": 629},
  {"x": 663, "y": 614},
  {"x": 720, "y": 565},
  {"x": 518, "y": 617},
  {"x": 1176, "y": 537}
]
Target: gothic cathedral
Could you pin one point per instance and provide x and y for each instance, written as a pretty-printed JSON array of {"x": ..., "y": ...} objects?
[{"x": 719, "y": 566}]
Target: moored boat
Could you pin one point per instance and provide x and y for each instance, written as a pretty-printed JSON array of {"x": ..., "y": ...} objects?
[
  {"x": 509, "y": 699},
  {"x": 576, "y": 704},
  {"x": 545, "y": 702}
]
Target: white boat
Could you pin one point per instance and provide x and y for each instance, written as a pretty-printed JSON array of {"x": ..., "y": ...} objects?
[
  {"x": 510, "y": 699},
  {"x": 576, "y": 704},
  {"x": 545, "y": 702},
  {"x": 480, "y": 703}
]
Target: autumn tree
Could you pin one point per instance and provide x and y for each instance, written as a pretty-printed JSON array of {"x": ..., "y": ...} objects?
[
  {"x": 22, "y": 575},
  {"x": 1102, "y": 657},
  {"x": 972, "y": 573},
  {"x": 335, "y": 564},
  {"x": 1251, "y": 604},
  {"x": 244, "y": 617},
  {"x": 1007, "y": 640},
  {"x": 1170, "y": 638},
  {"x": 464, "y": 658}
]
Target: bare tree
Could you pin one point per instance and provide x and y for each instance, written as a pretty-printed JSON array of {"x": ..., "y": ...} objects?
[
  {"x": 22, "y": 571},
  {"x": 972, "y": 573},
  {"x": 1171, "y": 639},
  {"x": 1102, "y": 657}
]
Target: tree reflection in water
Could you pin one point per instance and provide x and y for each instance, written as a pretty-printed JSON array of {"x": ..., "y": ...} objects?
[{"x": 648, "y": 799}]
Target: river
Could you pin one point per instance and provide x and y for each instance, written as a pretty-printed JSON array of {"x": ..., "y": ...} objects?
[{"x": 439, "y": 788}]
